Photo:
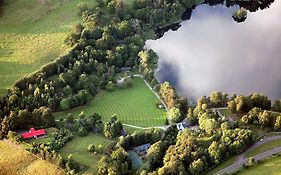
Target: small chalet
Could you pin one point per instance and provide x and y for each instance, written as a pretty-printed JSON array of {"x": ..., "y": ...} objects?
[
  {"x": 126, "y": 69},
  {"x": 181, "y": 126},
  {"x": 142, "y": 148},
  {"x": 33, "y": 133}
]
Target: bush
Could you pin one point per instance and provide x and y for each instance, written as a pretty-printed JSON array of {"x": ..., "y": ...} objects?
[
  {"x": 60, "y": 138},
  {"x": 175, "y": 115},
  {"x": 110, "y": 86},
  {"x": 100, "y": 149},
  {"x": 251, "y": 161},
  {"x": 113, "y": 127},
  {"x": 91, "y": 148},
  {"x": 82, "y": 131},
  {"x": 69, "y": 118},
  {"x": 13, "y": 136}
]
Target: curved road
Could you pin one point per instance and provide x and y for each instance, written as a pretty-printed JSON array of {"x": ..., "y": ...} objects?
[{"x": 242, "y": 158}]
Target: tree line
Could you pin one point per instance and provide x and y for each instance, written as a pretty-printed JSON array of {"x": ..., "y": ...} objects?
[
  {"x": 43, "y": 151},
  {"x": 262, "y": 118},
  {"x": 189, "y": 155},
  {"x": 2, "y": 6}
]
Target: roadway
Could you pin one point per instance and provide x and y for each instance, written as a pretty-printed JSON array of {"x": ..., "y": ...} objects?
[{"x": 243, "y": 160}]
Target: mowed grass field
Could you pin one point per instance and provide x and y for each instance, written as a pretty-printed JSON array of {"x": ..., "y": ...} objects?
[
  {"x": 32, "y": 34},
  {"x": 134, "y": 106},
  {"x": 78, "y": 148},
  {"x": 271, "y": 166},
  {"x": 265, "y": 147},
  {"x": 15, "y": 161}
]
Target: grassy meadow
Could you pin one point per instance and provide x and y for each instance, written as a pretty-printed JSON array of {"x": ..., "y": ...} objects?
[
  {"x": 270, "y": 166},
  {"x": 32, "y": 34},
  {"x": 135, "y": 105},
  {"x": 265, "y": 147},
  {"x": 78, "y": 148},
  {"x": 15, "y": 161}
]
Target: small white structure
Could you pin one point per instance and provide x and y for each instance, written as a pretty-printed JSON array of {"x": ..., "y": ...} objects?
[
  {"x": 120, "y": 82},
  {"x": 126, "y": 69},
  {"x": 181, "y": 126},
  {"x": 161, "y": 106},
  {"x": 194, "y": 128},
  {"x": 142, "y": 148}
]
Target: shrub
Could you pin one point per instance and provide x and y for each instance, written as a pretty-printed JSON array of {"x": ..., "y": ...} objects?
[
  {"x": 82, "y": 131},
  {"x": 110, "y": 86},
  {"x": 60, "y": 139},
  {"x": 91, "y": 148},
  {"x": 13, "y": 136},
  {"x": 100, "y": 148}
]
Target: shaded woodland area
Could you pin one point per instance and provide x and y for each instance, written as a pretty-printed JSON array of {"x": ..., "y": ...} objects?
[{"x": 2, "y": 4}]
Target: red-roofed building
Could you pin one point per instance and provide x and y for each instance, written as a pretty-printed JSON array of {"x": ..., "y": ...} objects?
[{"x": 33, "y": 133}]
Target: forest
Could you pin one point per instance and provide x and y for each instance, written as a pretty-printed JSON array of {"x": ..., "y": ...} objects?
[{"x": 111, "y": 37}]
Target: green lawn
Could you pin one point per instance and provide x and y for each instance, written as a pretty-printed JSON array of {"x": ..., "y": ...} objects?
[
  {"x": 271, "y": 166},
  {"x": 32, "y": 34},
  {"x": 135, "y": 106},
  {"x": 130, "y": 130},
  {"x": 78, "y": 148},
  {"x": 225, "y": 112},
  {"x": 264, "y": 147},
  {"x": 223, "y": 165}
]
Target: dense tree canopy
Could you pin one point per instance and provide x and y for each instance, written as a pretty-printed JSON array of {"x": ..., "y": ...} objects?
[
  {"x": 117, "y": 163},
  {"x": 246, "y": 103},
  {"x": 113, "y": 127}
]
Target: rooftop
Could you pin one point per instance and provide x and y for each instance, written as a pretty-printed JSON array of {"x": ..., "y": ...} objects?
[{"x": 33, "y": 133}]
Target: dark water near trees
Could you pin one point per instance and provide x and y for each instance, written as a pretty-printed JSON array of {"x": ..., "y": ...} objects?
[{"x": 212, "y": 52}]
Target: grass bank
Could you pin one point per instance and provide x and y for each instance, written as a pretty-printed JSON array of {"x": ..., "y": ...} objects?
[
  {"x": 15, "y": 161},
  {"x": 32, "y": 34}
]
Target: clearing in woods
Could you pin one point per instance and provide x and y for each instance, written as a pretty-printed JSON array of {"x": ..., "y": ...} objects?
[{"x": 135, "y": 106}]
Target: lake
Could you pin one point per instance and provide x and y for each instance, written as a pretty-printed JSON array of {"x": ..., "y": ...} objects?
[{"x": 212, "y": 52}]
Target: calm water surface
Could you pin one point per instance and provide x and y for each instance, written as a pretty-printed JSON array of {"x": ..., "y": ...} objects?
[{"x": 212, "y": 52}]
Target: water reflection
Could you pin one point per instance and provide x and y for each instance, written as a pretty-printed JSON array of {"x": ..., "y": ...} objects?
[{"x": 212, "y": 52}]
